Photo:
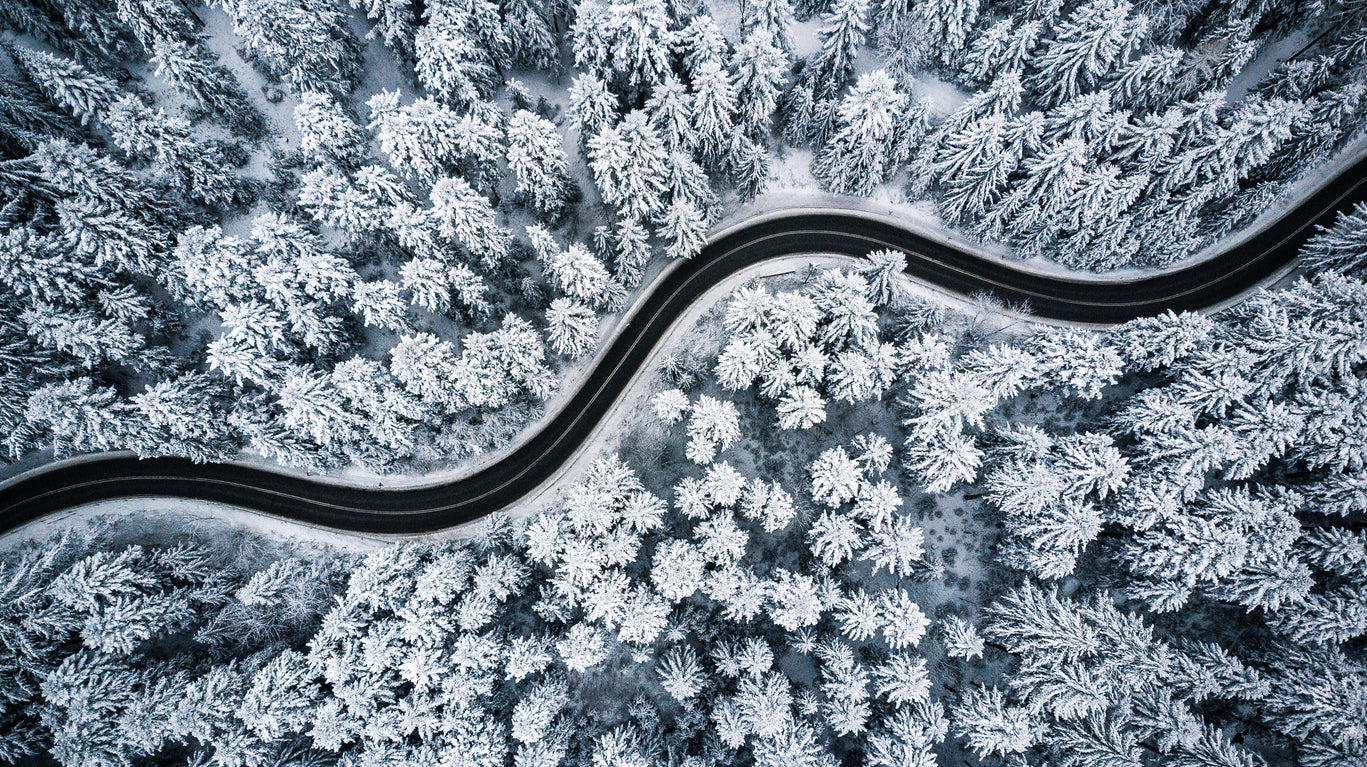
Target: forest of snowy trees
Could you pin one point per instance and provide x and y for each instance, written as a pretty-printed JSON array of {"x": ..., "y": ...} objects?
[
  {"x": 1175, "y": 574},
  {"x": 384, "y": 234},
  {"x": 1192, "y": 529},
  {"x": 397, "y": 277}
]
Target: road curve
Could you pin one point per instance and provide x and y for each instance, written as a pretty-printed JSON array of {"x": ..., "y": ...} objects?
[{"x": 426, "y": 509}]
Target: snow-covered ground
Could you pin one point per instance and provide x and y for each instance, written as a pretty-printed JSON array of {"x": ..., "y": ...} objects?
[
  {"x": 156, "y": 516},
  {"x": 1268, "y": 59}
]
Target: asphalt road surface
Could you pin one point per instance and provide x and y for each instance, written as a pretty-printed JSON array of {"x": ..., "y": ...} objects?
[{"x": 426, "y": 509}]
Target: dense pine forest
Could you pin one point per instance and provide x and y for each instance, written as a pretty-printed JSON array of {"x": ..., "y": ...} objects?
[{"x": 842, "y": 522}]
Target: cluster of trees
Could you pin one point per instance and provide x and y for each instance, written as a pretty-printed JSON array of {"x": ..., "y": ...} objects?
[
  {"x": 804, "y": 349},
  {"x": 1227, "y": 484},
  {"x": 282, "y": 376},
  {"x": 141, "y": 311},
  {"x": 1341, "y": 247},
  {"x": 1100, "y": 134},
  {"x": 85, "y": 260},
  {"x": 304, "y": 43},
  {"x": 663, "y": 101},
  {"x": 1094, "y": 682},
  {"x": 614, "y": 628},
  {"x": 93, "y": 40},
  {"x": 1236, "y": 491},
  {"x": 1208, "y": 480}
]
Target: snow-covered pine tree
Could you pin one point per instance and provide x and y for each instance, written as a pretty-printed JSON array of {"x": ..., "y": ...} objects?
[
  {"x": 571, "y": 328},
  {"x": 152, "y": 20},
  {"x": 1002, "y": 47},
  {"x": 850, "y": 317},
  {"x": 1094, "y": 42},
  {"x": 478, "y": 140},
  {"x": 327, "y": 132},
  {"x": 111, "y": 238},
  {"x": 1257, "y": 128},
  {"x": 685, "y": 227},
  {"x": 1036, "y": 206},
  {"x": 1081, "y": 364},
  {"x": 1341, "y": 247},
  {"x": 36, "y": 267},
  {"x": 1255, "y": 534},
  {"x": 464, "y": 216},
  {"x": 760, "y": 69},
  {"x": 713, "y": 112},
  {"x": 713, "y": 427},
  {"x": 393, "y": 24},
  {"x": 212, "y": 269},
  {"x": 592, "y": 105},
  {"x": 537, "y": 159},
  {"x": 750, "y": 167},
  {"x": 631, "y": 252},
  {"x": 83, "y": 336},
  {"x": 418, "y": 137},
  {"x": 427, "y": 281},
  {"x": 772, "y": 18},
  {"x": 425, "y": 365},
  {"x": 627, "y": 41},
  {"x": 699, "y": 41},
  {"x": 297, "y": 267},
  {"x": 310, "y": 405},
  {"x": 629, "y": 165},
  {"x": 943, "y": 460},
  {"x": 197, "y": 168},
  {"x": 1217, "y": 57},
  {"x": 859, "y": 156},
  {"x": 940, "y": 28},
  {"x": 671, "y": 405},
  {"x": 885, "y": 275},
  {"x": 532, "y": 39},
  {"x": 671, "y": 112},
  {"x": 184, "y": 417},
  {"x": 843, "y": 30},
  {"x": 451, "y": 64},
  {"x": 573, "y": 271},
  {"x": 28, "y": 118},
  {"x": 1149, "y": 83},
  {"x": 365, "y": 204},
  {"x": 77, "y": 416},
  {"x": 836, "y": 477},
  {"x": 798, "y": 112},
  {"x": 66, "y": 83},
  {"x": 307, "y": 43},
  {"x": 380, "y": 303},
  {"x": 687, "y": 181},
  {"x": 991, "y": 726},
  {"x": 801, "y": 408},
  {"x": 1334, "y": 115},
  {"x": 680, "y": 673}
]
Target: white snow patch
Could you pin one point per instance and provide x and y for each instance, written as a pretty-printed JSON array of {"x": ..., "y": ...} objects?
[
  {"x": 1269, "y": 58},
  {"x": 199, "y": 518}
]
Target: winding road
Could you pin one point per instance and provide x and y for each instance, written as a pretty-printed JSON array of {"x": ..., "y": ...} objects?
[{"x": 415, "y": 510}]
